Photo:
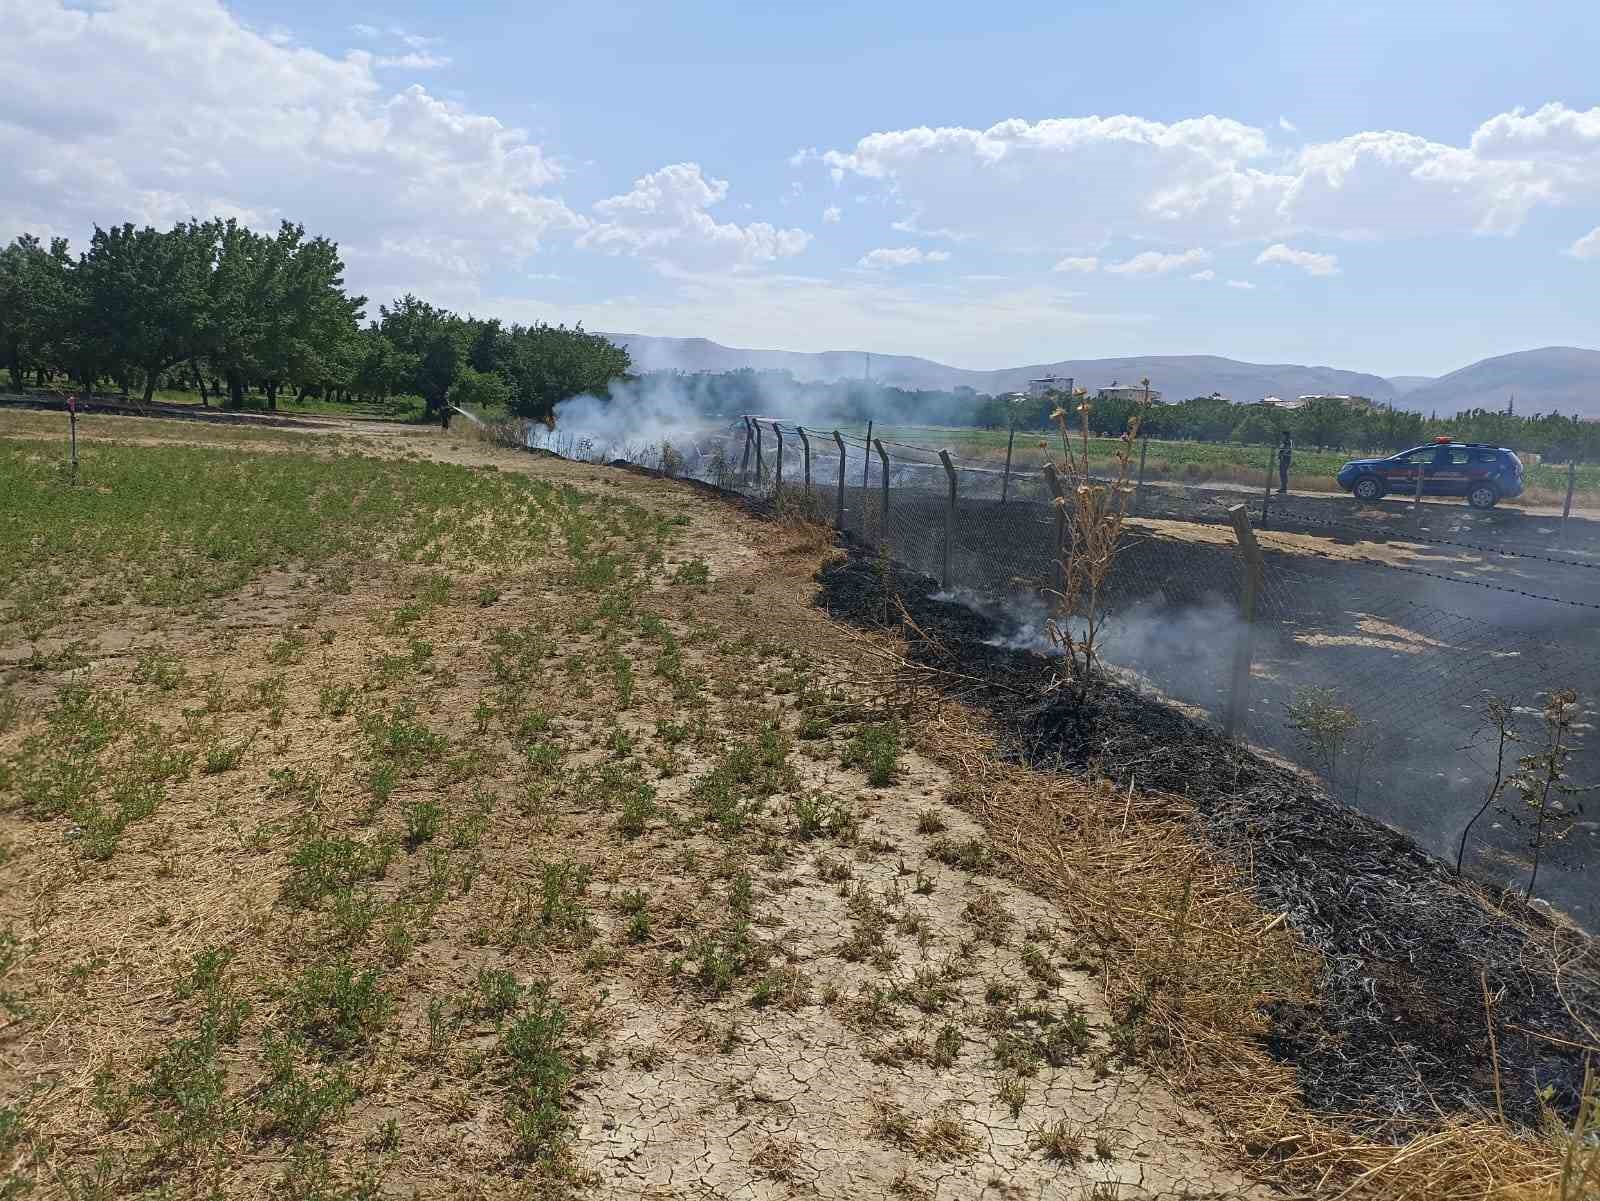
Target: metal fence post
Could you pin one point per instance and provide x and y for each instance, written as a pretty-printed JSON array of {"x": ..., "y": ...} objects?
[
  {"x": 1250, "y": 552},
  {"x": 838, "y": 520},
  {"x": 1266, "y": 495},
  {"x": 883, "y": 509},
  {"x": 1566, "y": 505},
  {"x": 1138, "y": 492},
  {"x": 949, "y": 515},
  {"x": 1059, "y": 503},
  {"x": 777, "y": 432},
  {"x": 866, "y": 466},
  {"x": 1005, "y": 479},
  {"x": 761, "y": 467},
  {"x": 744, "y": 463},
  {"x": 805, "y": 447}
]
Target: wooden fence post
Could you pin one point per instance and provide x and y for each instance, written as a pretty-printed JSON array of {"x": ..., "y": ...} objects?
[
  {"x": 744, "y": 463},
  {"x": 777, "y": 432},
  {"x": 805, "y": 446},
  {"x": 1244, "y": 648},
  {"x": 1005, "y": 480},
  {"x": 761, "y": 467},
  {"x": 883, "y": 508},
  {"x": 949, "y": 516},
  {"x": 1059, "y": 503},
  {"x": 838, "y": 519}
]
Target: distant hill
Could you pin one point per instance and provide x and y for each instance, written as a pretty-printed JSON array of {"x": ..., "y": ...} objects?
[
  {"x": 1410, "y": 383},
  {"x": 1175, "y": 376},
  {"x": 1564, "y": 378}
]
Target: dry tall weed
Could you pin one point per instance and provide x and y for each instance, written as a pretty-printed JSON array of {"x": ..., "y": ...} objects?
[
  {"x": 1190, "y": 962},
  {"x": 1089, "y": 534}
]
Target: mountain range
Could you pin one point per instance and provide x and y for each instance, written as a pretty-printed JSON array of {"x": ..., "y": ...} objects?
[{"x": 1563, "y": 378}]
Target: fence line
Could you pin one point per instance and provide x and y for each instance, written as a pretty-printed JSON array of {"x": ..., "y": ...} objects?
[{"x": 1388, "y": 641}]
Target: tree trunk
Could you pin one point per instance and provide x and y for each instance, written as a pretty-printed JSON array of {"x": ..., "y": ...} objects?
[
  {"x": 235, "y": 390},
  {"x": 272, "y": 396},
  {"x": 200, "y": 383},
  {"x": 150, "y": 378},
  {"x": 16, "y": 374}
]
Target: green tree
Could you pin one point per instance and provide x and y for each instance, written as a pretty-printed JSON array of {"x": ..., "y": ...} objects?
[
  {"x": 36, "y": 305},
  {"x": 480, "y": 390},
  {"x": 1256, "y": 428},
  {"x": 143, "y": 297},
  {"x": 551, "y": 363}
]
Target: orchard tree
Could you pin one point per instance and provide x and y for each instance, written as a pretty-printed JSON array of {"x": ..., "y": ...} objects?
[
  {"x": 36, "y": 285},
  {"x": 551, "y": 363}
]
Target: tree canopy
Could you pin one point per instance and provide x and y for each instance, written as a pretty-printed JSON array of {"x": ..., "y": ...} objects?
[{"x": 249, "y": 312}]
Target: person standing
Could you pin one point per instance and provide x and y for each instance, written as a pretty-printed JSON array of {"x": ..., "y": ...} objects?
[
  {"x": 1285, "y": 457},
  {"x": 444, "y": 416}
]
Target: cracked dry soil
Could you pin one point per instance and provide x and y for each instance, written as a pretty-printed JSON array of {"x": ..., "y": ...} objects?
[{"x": 779, "y": 978}]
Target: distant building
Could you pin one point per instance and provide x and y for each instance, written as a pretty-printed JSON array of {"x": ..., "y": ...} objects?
[
  {"x": 1038, "y": 388},
  {"x": 1276, "y": 402},
  {"x": 1133, "y": 393}
]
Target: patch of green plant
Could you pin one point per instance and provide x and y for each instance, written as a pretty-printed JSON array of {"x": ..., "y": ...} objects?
[
  {"x": 424, "y": 819},
  {"x": 539, "y": 1070},
  {"x": 875, "y": 749},
  {"x": 298, "y": 1101},
  {"x": 336, "y": 1007},
  {"x": 325, "y": 862},
  {"x": 692, "y": 572},
  {"x": 159, "y": 668}
]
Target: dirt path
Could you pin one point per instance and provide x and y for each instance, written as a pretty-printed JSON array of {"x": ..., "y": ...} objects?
[{"x": 904, "y": 1081}]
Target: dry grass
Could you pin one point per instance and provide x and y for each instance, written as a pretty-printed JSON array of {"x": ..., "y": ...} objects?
[{"x": 1182, "y": 946}]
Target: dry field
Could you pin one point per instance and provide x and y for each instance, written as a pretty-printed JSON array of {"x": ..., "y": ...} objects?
[{"x": 386, "y": 815}]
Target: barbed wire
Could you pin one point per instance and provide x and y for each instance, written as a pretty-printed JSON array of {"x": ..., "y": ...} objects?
[
  {"x": 1290, "y": 548},
  {"x": 1425, "y": 539}
]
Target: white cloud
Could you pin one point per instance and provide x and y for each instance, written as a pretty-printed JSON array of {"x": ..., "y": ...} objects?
[
  {"x": 664, "y": 218},
  {"x": 831, "y": 214},
  {"x": 1242, "y": 284},
  {"x": 1154, "y": 262},
  {"x": 1586, "y": 247},
  {"x": 1212, "y": 177},
  {"x": 1207, "y": 274},
  {"x": 1308, "y": 261},
  {"x": 414, "y": 60},
  {"x": 365, "y": 31},
  {"x": 1085, "y": 264},
  {"x": 421, "y": 193},
  {"x": 1287, "y": 125},
  {"x": 901, "y": 256}
]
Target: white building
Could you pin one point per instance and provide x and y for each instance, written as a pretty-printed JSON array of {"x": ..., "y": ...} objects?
[
  {"x": 1037, "y": 388},
  {"x": 1133, "y": 393},
  {"x": 1274, "y": 402}
]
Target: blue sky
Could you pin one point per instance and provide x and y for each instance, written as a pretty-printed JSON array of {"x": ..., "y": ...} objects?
[{"x": 1400, "y": 189}]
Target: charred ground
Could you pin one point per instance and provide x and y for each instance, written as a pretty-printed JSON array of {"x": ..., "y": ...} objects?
[{"x": 1409, "y": 952}]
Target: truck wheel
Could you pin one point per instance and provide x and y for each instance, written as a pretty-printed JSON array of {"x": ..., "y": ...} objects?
[
  {"x": 1368, "y": 487},
  {"x": 1483, "y": 496}
]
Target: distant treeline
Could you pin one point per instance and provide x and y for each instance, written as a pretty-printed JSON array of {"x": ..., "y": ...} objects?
[
  {"x": 1325, "y": 422},
  {"x": 215, "y": 308}
]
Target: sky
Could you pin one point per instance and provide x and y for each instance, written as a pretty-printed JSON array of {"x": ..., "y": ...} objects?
[{"x": 1401, "y": 189}]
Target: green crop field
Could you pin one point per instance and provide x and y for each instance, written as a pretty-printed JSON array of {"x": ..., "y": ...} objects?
[{"x": 1190, "y": 462}]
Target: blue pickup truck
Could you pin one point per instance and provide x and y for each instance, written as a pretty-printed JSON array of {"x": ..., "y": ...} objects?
[{"x": 1483, "y": 474}]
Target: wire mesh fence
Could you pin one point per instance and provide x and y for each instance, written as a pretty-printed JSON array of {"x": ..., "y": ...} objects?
[{"x": 1409, "y": 653}]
